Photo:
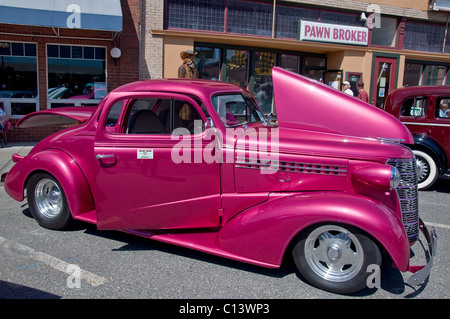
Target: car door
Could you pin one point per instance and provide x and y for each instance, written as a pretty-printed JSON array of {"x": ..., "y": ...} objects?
[
  {"x": 151, "y": 173},
  {"x": 439, "y": 128}
]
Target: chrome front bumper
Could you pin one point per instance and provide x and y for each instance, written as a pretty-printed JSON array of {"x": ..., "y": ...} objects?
[{"x": 421, "y": 273}]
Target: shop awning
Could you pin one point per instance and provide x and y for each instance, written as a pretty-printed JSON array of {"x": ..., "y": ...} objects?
[
  {"x": 440, "y": 5},
  {"x": 83, "y": 14}
]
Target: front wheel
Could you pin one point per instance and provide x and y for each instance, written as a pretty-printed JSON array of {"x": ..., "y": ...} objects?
[
  {"x": 47, "y": 202},
  {"x": 427, "y": 169},
  {"x": 336, "y": 258}
]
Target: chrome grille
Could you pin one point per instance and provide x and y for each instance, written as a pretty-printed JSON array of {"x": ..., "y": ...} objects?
[{"x": 408, "y": 195}]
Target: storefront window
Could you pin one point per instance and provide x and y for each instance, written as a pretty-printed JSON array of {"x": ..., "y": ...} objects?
[
  {"x": 208, "y": 15},
  {"x": 386, "y": 34},
  {"x": 264, "y": 62},
  {"x": 208, "y": 62},
  {"x": 413, "y": 74},
  {"x": 18, "y": 78},
  {"x": 424, "y": 36},
  {"x": 250, "y": 18},
  {"x": 76, "y": 72},
  {"x": 435, "y": 75},
  {"x": 290, "y": 62},
  {"x": 425, "y": 74},
  {"x": 237, "y": 67},
  {"x": 251, "y": 68},
  {"x": 340, "y": 18},
  {"x": 315, "y": 67},
  {"x": 18, "y": 70},
  {"x": 287, "y": 19}
]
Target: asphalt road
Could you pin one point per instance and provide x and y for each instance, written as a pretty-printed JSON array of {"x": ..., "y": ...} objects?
[{"x": 83, "y": 262}]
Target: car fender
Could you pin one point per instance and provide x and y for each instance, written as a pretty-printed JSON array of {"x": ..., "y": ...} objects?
[
  {"x": 264, "y": 232},
  {"x": 432, "y": 147},
  {"x": 58, "y": 164}
]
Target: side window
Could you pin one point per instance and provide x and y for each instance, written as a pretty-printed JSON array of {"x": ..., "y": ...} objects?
[
  {"x": 143, "y": 119},
  {"x": 442, "y": 110},
  {"x": 153, "y": 116},
  {"x": 414, "y": 107}
]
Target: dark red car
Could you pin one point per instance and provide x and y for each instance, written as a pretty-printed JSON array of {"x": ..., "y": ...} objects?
[{"x": 424, "y": 110}]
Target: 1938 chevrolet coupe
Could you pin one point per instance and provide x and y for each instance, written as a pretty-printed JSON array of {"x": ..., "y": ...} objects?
[{"x": 196, "y": 163}]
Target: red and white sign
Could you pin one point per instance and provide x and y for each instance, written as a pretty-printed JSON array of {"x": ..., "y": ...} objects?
[{"x": 333, "y": 33}]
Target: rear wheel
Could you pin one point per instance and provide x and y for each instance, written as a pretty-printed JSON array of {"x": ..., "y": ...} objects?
[
  {"x": 47, "y": 202},
  {"x": 428, "y": 169},
  {"x": 335, "y": 258}
]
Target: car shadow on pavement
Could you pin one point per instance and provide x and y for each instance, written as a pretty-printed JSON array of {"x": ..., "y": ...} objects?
[
  {"x": 392, "y": 280},
  {"x": 9, "y": 290},
  {"x": 442, "y": 185}
]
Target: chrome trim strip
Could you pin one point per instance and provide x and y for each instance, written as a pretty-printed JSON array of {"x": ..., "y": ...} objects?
[{"x": 426, "y": 124}]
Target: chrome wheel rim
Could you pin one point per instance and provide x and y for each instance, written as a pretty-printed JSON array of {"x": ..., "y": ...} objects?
[
  {"x": 334, "y": 253},
  {"x": 423, "y": 169},
  {"x": 48, "y": 196}
]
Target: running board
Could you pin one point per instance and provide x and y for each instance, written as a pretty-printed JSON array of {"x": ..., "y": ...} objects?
[{"x": 201, "y": 241}]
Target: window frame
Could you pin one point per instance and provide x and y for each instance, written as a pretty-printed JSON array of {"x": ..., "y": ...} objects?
[
  {"x": 128, "y": 101},
  {"x": 425, "y": 67},
  {"x": 7, "y": 102}
]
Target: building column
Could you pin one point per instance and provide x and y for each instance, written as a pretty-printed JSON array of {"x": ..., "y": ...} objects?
[{"x": 151, "y": 56}]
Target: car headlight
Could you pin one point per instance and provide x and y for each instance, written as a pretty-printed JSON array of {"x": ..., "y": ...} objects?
[
  {"x": 395, "y": 178},
  {"x": 380, "y": 176}
]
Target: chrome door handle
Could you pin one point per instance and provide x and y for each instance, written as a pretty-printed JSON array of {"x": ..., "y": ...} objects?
[{"x": 100, "y": 156}]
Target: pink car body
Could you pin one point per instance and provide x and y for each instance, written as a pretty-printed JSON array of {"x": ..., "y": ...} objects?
[{"x": 250, "y": 192}]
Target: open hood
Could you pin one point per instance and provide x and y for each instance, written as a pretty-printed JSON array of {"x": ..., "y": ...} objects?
[
  {"x": 58, "y": 116},
  {"x": 307, "y": 104}
]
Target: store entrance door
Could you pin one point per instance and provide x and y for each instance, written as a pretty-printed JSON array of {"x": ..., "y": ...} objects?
[{"x": 384, "y": 79}]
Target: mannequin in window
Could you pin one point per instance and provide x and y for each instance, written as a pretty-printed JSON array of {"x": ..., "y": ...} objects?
[{"x": 188, "y": 70}]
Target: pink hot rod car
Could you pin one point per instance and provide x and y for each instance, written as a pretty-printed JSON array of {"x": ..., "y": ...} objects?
[{"x": 196, "y": 163}]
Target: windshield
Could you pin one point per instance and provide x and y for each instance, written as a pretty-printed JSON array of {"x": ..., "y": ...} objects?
[{"x": 237, "y": 109}]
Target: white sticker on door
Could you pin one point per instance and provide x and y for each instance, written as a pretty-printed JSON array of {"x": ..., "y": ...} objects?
[{"x": 145, "y": 154}]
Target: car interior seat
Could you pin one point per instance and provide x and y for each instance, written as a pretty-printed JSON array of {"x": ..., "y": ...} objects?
[{"x": 146, "y": 122}]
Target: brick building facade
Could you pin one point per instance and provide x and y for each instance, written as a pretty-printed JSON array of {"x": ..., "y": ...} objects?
[
  {"x": 81, "y": 45},
  {"x": 236, "y": 41}
]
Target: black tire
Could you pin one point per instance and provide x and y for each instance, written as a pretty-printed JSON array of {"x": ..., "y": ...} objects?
[
  {"x": 47, "y": 202},
  {"x": 335, "y": 257}
]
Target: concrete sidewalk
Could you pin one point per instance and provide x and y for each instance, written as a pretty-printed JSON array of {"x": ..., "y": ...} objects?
[{"x": 8, "y": 150}]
